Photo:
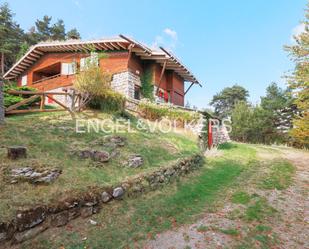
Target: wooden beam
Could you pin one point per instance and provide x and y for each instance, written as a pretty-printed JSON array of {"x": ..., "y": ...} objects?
[
  {"x": 109, "y": 46},
  {"x": 36, "y": 93},
  {"x": 36, "y": 56},
  {"x": 161, "y": 76},
  {"x": 42, "y": 104},
  {"x": 28, "y": 60},
  {"x": 12, "y": 107},
  {"x": 188, "y": 88},
  {"x": 114, "y": 44},
  {"x": 34, "y": 110},
  {"x": 38, "y": 52},
  {"x": 102, "y": 47},
  {"x": 58, "y": 102},
  {"x": 20, "y": 70},
  {"x": 121, "y": 45},
  {"x": 131, "y": 46}
]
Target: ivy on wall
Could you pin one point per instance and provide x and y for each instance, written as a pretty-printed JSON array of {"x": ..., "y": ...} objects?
[{"x": 147, "y": 86}]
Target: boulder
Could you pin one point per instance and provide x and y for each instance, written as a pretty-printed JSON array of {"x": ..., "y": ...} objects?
[
  {"x": 29, "y": 234},
  {"x": 74, "y": 213},
  {"x": 106, "y": 197},
  {"x": 34, "y": 176},
  {"x": 86, "y": 211},
  {"x": 60, "y": 219},
  {"x": 16, "y": 152},
  {"x": 135, "y": 161},
  {"x": 118, "y": 192},
  {"x": 6, "y": 231},
  {"x": 111, "y": 141},
  {"x": 30, "y": 218},
  {"x": 117, "y": 140},
  {"x": 101, "y": 156}
]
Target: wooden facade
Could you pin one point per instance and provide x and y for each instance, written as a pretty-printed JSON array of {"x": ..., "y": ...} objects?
[{"x": 43, "y": 66}]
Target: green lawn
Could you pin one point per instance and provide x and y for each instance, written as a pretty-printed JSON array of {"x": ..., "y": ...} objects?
[
  {"x": 50, "y": 138},
  {"x": 128, "y": 223}
]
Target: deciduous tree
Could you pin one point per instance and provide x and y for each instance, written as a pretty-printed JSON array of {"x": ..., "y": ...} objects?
[{"x": 299, "y": 83}]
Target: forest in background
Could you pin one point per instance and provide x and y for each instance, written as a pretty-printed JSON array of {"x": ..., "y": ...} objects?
[{"x": 14, "y": 41}]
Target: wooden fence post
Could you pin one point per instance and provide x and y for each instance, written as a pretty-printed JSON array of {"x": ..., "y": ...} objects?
[
  {"x": 1, "y": 102},
  {"x": 73, "y": 96},
  {"x": 42, "y": 104}
]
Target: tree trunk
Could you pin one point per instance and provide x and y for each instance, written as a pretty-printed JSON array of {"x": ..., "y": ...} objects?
[
  {"x": 1, "y": 101},
  {"x": 2, "y": 64}
]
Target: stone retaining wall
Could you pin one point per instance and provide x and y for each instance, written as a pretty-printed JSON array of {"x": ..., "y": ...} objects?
[
  {"x": 220, "y": 135},
  {"x": 28, "y": 223}
]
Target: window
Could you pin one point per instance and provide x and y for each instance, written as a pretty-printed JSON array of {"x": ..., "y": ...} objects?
[
  {"x": 137, "y": 92},
  {"x": 68, "y": 68},
  {"x": 93, "y": 59},
  {"x": 24, "y": 80},
  {"x": 46, "y": 73}
]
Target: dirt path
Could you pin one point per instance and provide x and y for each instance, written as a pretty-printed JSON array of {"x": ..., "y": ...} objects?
[{"x": 291, "y": 227}]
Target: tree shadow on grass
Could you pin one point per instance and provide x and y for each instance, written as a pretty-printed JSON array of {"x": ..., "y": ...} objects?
[{"x": 227, "y": 146}]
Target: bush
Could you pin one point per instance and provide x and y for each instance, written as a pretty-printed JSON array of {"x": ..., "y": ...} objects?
[
  {"x": 153, "y": 111},
  {"x": 10, "y": 99},
  {"x": 108, "y": 102},
  {"x": 93, "y": 80}
]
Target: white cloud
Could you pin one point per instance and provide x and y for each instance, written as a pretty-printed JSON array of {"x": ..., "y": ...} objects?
[
  {"x": 297, "y": 30},
  {"x": 168, "y": 39},
  {"x": 171, "y": 33},
  {"x": 77, "y": 4}
]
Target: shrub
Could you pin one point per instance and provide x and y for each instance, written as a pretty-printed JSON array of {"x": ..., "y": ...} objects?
[
  {"x": 93, "y": 80},
  {"x": 94, "y": 84},
  {"x": 10, "y": 99},
  {"x": 108, "y": 102},
  {"x": 153, "y": 111}
]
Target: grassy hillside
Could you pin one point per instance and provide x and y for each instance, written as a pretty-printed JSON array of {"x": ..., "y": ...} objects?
[
  {"x": 50, "y": 140},
  {"x": 232, "y": 177}
]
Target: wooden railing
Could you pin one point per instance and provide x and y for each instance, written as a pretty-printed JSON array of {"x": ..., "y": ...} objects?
[
  {"x": 47, "y": 78},
  {"x": 41, "y": 96}
]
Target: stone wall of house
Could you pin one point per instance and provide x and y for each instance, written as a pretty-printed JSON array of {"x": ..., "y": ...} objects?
[
  {"x": 29, "y": 223},
  {"x": 124, "y": 83}
]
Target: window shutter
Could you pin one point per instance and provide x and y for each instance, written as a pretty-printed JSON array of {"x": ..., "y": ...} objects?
[
  {"x": 73, "y": 68},
  {"x": 82, "y": 64},
  {"x": 65, "y": 68},
  {"x": 24, "y": 80},
  {"x": 94, "y": 58}
]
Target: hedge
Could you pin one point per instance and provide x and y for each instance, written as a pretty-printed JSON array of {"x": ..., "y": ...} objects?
[{"x": 154, "y": 111}]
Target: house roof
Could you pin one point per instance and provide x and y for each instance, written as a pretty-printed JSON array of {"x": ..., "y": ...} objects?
[{"x": 119, "y": 43}]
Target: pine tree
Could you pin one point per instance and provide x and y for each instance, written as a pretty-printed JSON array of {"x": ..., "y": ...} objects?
[
  {"x": 73, "y": 34},
  {"x": 57, "y": 31},
  {"x": 225, "y": 101},
  {"x": 43, "y": 28},
  {"x": 299, "y": 83},
  {"x": 10, "y": 38}
]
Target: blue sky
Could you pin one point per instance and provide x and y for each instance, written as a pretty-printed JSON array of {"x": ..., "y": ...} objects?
[{"x": 223, "y": 42}]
